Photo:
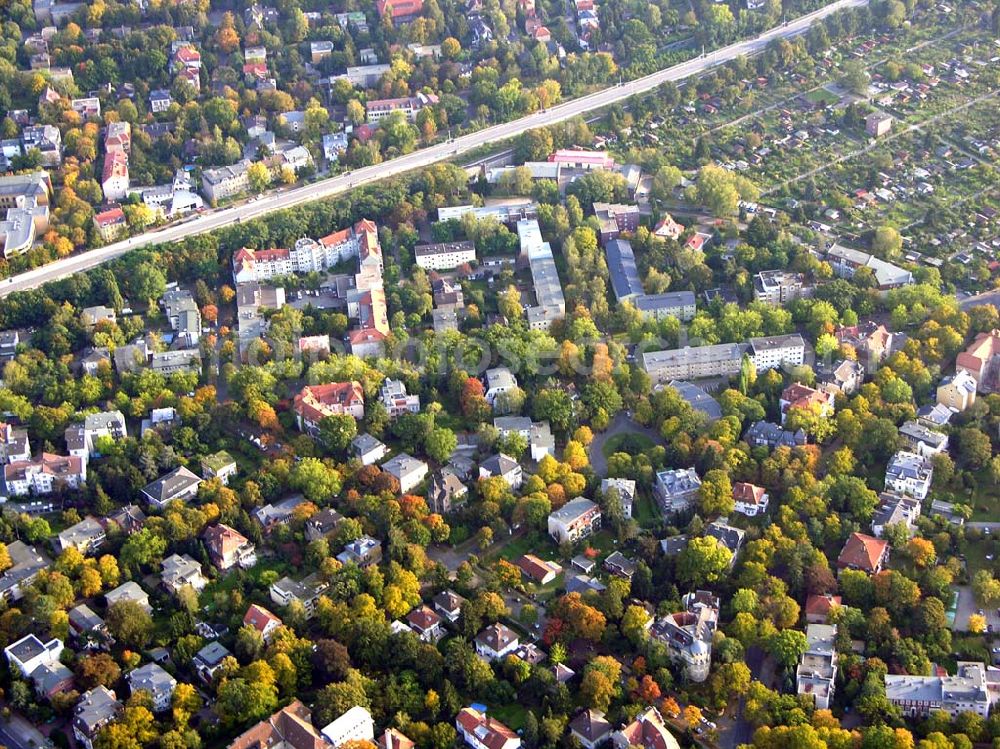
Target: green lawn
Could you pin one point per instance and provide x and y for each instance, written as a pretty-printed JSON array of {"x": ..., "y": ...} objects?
[
  {"x": 627, "y": 442},
  {"x": 513, "y": 714},
  {"x": 645, "y": 512},
  {"x": 822, "y": 96},
  {"x": 518, "y": 546}
]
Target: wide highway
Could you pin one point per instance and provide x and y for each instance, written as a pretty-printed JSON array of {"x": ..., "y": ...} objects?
[{"x": 275, "y": 201}]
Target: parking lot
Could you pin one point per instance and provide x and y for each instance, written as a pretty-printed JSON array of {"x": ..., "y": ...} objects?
[{"x": 967, "y": 606}]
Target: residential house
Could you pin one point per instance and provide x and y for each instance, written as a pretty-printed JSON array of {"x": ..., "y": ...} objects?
[
  {"x": 648, "y": 730},
  {"x": 779, "y": 287},
  {"x": 152, "y": 678},
  {"x": 846, "y": 376},
  {"x": 799, "y": 396},
  {"x": 620, "y": 565},
  {"x": 871, "y": 342},
  {"x": 865, "y": 553},
  {"x": 396, "y": 400},
  {"x": 272, "y": 515},
  {"x": 354, "y": 725},
  {"x": 970, "y": 690},
  {"x": 503, "y": 466},
  {"x": 537, "y": 569},
  {"x": 159, "y": 100},
  {"x": 96, "y": 709},
  {"x": 82, "y": 439},
  {"x": 229, "y": 548},
  {"x": 770, "y": 435},
  {"x": 895, "y": 510},
  {"x": 26, "y": 563},
  {"x": 816, "y": 674},
  {"x": 364, "y": 552},
  {"x": 878, "y": 124},
  {"x": 480, "y": 731},
  {"x": 590, "y": 728},
  {"x": 400, "y": 11},
  {"x": 392, "y": 738},
  {"x": 616, "y": 219},
  {"x": 226, "y": 181},
  {"x": 676, "y": 489},
  {"x": 426, "y": 623},
  {"x": 448, "y": 604},
  {"x": 368, "y": 450},
  {"x": 728, "y": 537},
  {"x": 981, "y": 359},
  {"x": 306, "y": 591},
  {"x": 688, "y": 634},
  {"x": 751, "y": 500},
  {"x": 499, "y": 380},
  {"x": 208, "y": 660},
  {"x": 923, "y": 441},
  {"x": 114, "y": 177},
  {"x": 957, "y": 391},
  {"x": 314, "y": 402},
  {"x": 129, "y": 591},
  {"x": 909, "y": 474},
  {"x": 625, "y": 488},
  {"x": 47, "y": 474},
  {"x": 409, "y": 471},
  {"x": 110, "y": 224},
  {"x": 323, "y": 524},
  {"x": 578, "y": 518},
  {"x": 180, "y": 571},
  {"x": 14, "y": 445},
  {"x": 819, "y": 606},
  {"x": 846, "y": 261},
  {"x": 86, "y": 626},
  {"x": 289, "y": 728},
  {"x": 220, "y": 465},
  {"x": 87, "y": 536},
  {"x": 496, "y": 642},
  {"x": 445, "y": 491},
  {"x": 180, "y": 485},
  {"x": 28, "y": 653},
  {"x": 262, "y": 620}
]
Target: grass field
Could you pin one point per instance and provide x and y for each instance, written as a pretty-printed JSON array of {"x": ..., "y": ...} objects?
[
  {"x": 822, "y": 96},
  {"x": 645, "y": 512},
  {"x": 627, "y": 442}
]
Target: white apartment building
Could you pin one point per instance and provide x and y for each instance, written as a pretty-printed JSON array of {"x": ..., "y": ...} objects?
[
  {"x": 354, "y": 725},
  {"x": 691, "y": 363},
  {"x": 816, "y": 674},
  {"x": 396, "y": 400},
  {"x": 45, "y": 475},
  {"x": 970, "y": 690},
  {"x": 777, "y": 351},
  {"x": 444, "y": 255},
  {"x": 780, "y": 287},
  {"x": 909, "y": 474}
]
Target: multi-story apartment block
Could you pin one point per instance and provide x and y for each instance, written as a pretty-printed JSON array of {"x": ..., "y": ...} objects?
[{"x": 576, "y": 519}]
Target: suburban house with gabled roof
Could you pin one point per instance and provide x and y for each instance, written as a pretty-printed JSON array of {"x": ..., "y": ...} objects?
[
  {"x": 863, "y": 552},
  {"x": 426, "y": 623},
  {"x": 590, "y": 728},
  {"x": 819, "y": 606},
  {"x": 314, "y": 402},
  {"x": 154, "y": 679},
  {"x": 751, "y": 500},
  {"x": 262, "y": 620},
  {"x": 480, "y": 731},
  {"x": 503, "y": 466},
  {"x": 228, "y": 548},
  {"x": 496, "y": 642},
  {"x": 448, "y": 604},
  {"x": 909, "y": 474},
  {"x": 180, "y": 570},
  {"x": 648, "y": 730},
  {"x": 180, "y": 485},
  {"x": 537, "y": 569},
  {"x": 407, "y": 470},
  {"x": 289, "y": 728}
]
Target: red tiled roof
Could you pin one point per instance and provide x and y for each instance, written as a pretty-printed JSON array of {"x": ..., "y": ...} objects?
[
  {"x": 818, "y": 605},
  {"x": 314, "y": 402},
  {"x": 222, "y": 540},
  {"x": 749, "y": 494},
  {"x": 110, "y": 217},
  {"x": 338, "y": 237},
  {"x": 399, "y": 8},
  {"x": 862, "y": 552},
  {"x": 423, "y": 618},
  {"x": 115, "y": 165},
  {"x": 491, "y": 732},
  {"x": 258, "y": 617},
  {"x": 535, "y": 568}
]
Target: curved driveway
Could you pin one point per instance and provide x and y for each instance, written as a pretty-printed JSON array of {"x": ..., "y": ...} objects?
[{"x": 424, "y": 157}]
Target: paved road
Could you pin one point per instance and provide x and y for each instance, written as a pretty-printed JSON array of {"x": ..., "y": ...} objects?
[
  {"x": 987, "y": 297},
  {"x": 424, "y": 157},
  {"x": 622, "y": 423}
]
